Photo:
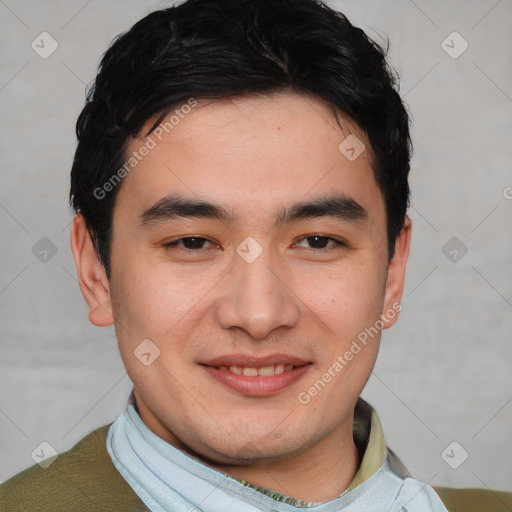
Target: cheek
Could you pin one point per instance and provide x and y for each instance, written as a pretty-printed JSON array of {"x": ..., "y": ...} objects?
[
  {"x": 347, "y": 298},
  {"x": 156, "y": 300}
]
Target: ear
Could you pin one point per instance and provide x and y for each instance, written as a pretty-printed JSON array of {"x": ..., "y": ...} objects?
[
  {"x": 91, "y": 274},
  {"x": 396, "y": 276}
]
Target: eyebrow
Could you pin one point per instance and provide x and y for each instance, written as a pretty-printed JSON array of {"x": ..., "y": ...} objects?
[{"x": 174, "y": 206}]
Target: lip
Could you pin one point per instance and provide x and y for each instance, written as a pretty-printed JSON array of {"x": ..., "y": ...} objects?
[
  {"x": 257, "y": 386},
  {"x": 254, "y": 361}
]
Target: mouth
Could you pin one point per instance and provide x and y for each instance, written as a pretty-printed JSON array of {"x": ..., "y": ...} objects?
[
  {"x": 252, "y": 371},
  {"x": 253, "y": 376}
]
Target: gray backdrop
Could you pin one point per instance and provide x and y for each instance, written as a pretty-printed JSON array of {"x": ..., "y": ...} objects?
[{"x": 443, "y": 375}]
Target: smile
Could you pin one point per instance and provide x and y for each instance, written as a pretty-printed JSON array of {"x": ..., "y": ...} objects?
[
  {"x": 264, "y": 371},
  {"x": 257, "y": 377}
]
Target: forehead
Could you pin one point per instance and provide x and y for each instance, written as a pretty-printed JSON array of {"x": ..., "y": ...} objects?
[{"x": 250, "y": 154}]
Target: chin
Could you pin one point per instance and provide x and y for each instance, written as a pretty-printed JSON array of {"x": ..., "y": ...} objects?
[
  {"x": 239, "y": 452},
  {"x": 248, "y": 455}
]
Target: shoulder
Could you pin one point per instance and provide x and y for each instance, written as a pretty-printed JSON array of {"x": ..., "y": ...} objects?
[
  {"x": 460, "y": 500},
  {"x": 474, "y": 500},
  {"x": 82, "y": 478}
]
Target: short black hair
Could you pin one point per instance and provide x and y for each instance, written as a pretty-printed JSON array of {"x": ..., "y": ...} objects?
[{"x": 212, "y": 49}]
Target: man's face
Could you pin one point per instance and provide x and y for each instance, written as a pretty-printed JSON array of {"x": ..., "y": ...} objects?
[{"x": 259, "y": 288}]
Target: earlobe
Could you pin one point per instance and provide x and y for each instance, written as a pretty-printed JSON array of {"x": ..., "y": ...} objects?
[
  {"x": 91, "y": 274},
  {"x": 396, "y": 276}
]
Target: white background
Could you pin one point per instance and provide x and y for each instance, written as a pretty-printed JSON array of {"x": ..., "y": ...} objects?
[{"x": 444, "y": 371}]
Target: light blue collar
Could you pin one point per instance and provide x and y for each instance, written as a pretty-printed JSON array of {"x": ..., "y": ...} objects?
[{"x": 166, "y": 478}]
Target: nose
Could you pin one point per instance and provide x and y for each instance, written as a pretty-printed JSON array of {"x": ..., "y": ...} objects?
[{"x": 257, "y": 298}]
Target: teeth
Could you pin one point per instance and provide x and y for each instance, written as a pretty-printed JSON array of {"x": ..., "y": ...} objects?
[
  {"x": 265, "y": 371},
  {"x": 250, "y": 372}
]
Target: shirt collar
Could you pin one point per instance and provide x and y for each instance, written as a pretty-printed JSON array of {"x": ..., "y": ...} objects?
[{"x": 369, "y": 440}]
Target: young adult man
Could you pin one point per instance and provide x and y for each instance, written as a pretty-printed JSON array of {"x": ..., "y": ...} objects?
[{"x": 241, "y": 189}]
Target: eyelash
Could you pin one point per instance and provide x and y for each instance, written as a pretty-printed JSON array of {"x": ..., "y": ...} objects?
[{"x": 337, "y": 243}]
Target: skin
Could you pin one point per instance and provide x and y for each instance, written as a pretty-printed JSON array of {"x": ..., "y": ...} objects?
[{"x": 251, "y": 155}]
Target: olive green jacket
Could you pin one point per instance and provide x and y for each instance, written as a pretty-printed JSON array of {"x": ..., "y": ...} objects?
[{"x": 84, "y": 479}]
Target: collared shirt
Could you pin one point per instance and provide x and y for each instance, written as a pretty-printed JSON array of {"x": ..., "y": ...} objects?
[
  {"x": 167, "y": 478},
  {"x": 369, "y": 440},
  {"x": 85, "y": 479}
]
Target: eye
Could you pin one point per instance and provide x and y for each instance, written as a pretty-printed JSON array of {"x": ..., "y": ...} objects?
[
  {"x": 190, "y": 243},
  {"x": 321, "y": 242},
  {"x": 195, "y": 243}
]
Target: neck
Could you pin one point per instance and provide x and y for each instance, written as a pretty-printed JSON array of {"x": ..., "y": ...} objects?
[
  {"x": 317, "y": 475},
  {"x": 308, "y": 476}
]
